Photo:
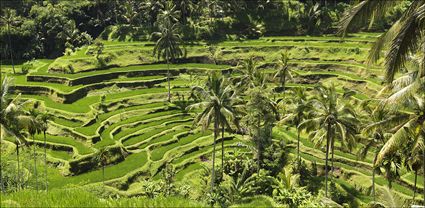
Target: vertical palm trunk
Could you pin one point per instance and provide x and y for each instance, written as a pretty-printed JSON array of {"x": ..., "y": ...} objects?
[
  {"x": 283, "y": 81},
  {"x": 213, "y": 154},
  {"x": 10, "y": 48},
  {"x": 414, "y": 189},
  {"x": 222, "y": 150},
  {"x": 423, "y": 171},
  {"x": 103, "y": 173},
  {"x": 168, "y": 80},
  {"x": 326, "y": 159},
  {"x": 18, "y": 179},
  {"x": 35, "y": 162},
  {"x": 259, "y": 148},
  {"x": 373, "y": 176},
  {"x": 45, "y": 161},
  {"x": 332, "y": 157},
  {"x": 298, "y": 147}
]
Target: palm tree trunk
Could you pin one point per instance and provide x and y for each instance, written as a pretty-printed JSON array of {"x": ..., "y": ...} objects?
[
  {"x": 103, "y": 174},
  {"x": 373, "y": 177},
  {"x": 332, "y": 159},
  {"x": 35, "y": 162},
  {"x": 283, "y": 82},
  {"x": 213, "y": 155},
  {"x": 414, "y": 189},
  {"x": 423, "y": 171},
  {"x": 298, "y": 148},
  {"x": 222, "y": 150},
  {"x": 259, "y": 149},
  {"x": 10, "y": 48},
  {"x": 168, "y": 80},
  {"x": 18, "y": 179},
  {"x": 45, "y": 160},
  {"x": 326, "y": 159}
]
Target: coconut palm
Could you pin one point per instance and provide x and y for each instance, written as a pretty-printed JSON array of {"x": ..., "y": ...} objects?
[
  {"x": 9, "y": 19},
  {"x": 260, "y": 118},
  {"x": 283, "y": 71},
  {"x": 10, "y": 120},
  {"x": 101, "y": 158},
  {"x": 33, "y": 126},
  {"x": 217, "y": 99},
  {"x": 44, "y": 119},
  {"x": 331, "y": 118},
  {"x": 413, "y": 160},
  {"x": 413, "y": 121},
  {"x": 167, "y": 46},
  {"x": 401, "y": 40},
  {"x": 378, "y": 121},
  {"x": 301, "y": 105},
  {"x": 251, "y": 76}
]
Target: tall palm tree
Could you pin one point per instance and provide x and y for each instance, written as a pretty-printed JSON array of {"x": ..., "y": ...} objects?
[
  {"x": 283, "y": 71},
  {"x": 413, "y": 121},
  {"x": 44, "y": 118},
  {"x": 413, "y": 159},
  {"x": 217, "y": 99},
  {"x": 377, "y": 122},
  {"x": 167, "y": 46},
  {"x": 33, "y": 126},
  {"x": 331, "y": 118},
  {"x": 101, "y": 158},
  {"x": 301, "y": 105},
  {"x": 261, "y": 115},
  {"x": 9, "y": 19},
  {"x": 11, "y": 121},
  {"x": 402, "y": 39}
]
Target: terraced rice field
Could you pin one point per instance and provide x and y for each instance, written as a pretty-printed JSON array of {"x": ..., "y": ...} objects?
[{"x": 142, "y": 131}]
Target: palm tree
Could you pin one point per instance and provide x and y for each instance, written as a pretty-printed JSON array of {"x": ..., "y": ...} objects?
[
  {"x": 44, "y": 118},
  {"x": 217, "y": 99},
  {"x": 167, "y": 46},
  {"x": 251, "y": 76},
  {"x": 378, "y": 121},
  {"x": 413, "y": 121},
  {"x": 261, "y": 115},
  {"x": 101, "y": 158},
  {"x": 33, "y": 127},
  {"x": 330, "y": 119},
  {"x": 301, "y": 105},
  {"x": 283, "y": 71},
  {"x": 9, "y": 19},
  {"x": 402, "y": 39},
  {"x": 11, "y": 120},
  {"x": 413, "y": 159}
]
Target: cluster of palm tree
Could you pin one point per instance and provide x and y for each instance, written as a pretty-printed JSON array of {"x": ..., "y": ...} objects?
[
  {"x": 404, "y": 48},
  {"x": 18, "y": 122}
]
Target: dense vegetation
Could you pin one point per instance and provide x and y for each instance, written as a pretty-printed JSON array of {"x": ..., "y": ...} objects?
[{"x": 121, "y": 103}]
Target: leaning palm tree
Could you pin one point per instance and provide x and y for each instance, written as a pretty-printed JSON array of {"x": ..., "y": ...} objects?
[
  {"x": 413, "y": 121},
  {"x": 11, "y": 122},
  {"x": 217, "y": 101},
  {"x": 44, "y": 118},
  {"x": 9, "y": 19},
  {"x": 298, "y": 113},
  {"x": 283, "y": 71},
  {"x": 101, "y": 158},
  {"x": 167, "y": 46},
  {"x": 378, "y": 121},
  {"x": 402, "y": 39},
  {"x": 331, "y": 118}
]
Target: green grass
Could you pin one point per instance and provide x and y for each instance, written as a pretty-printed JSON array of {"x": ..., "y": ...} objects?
[
  {"x": 120, "y": 169},
  {"x": 81, "y": 148},
  {"x": 158, "y": 153},
  {"x": 81, "y": 197}
]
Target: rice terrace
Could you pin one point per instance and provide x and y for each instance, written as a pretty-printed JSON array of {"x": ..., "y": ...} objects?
[{"x": 212, "y": 103}]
